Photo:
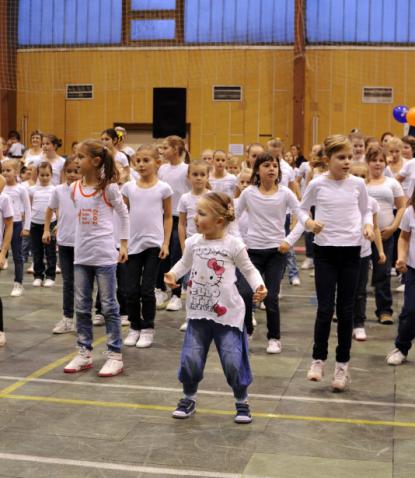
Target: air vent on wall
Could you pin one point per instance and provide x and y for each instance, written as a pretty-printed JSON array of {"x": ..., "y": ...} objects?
[
  {"x": 227, "y": 93},
  {"x": 79, "y": 92},
  {"x": 377, "y": 94}
]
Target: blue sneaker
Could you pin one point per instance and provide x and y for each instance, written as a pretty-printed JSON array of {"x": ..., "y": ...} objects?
[
  {"x": 243, "y": 413},
  {"x": 185, "y": 408}
]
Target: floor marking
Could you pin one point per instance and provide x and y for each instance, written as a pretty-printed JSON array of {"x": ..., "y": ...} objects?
[
  {"x": 207, "y": 411},
  {"x": 120, "y": 467},
  {"x": 294, "y": 398},
  {"x": 44, "y": 370}
]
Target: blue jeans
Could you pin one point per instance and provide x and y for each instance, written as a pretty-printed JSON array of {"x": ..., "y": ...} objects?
[
  {"x": 84, "y": 285},
  {"x": 406, "y": 326},
  {"x": 232, "y": 347},
  {"x": 66, "y": 257},
  {"x": 381, "y": 278},
  {"x": 26, "y": 247},
  {"x": 17, "y": 251},
  {"x": 291, "y": 259}
]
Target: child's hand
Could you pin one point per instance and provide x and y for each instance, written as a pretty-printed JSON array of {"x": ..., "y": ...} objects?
[
  {"x": 2, "y": 260},
  {"x": 401, "y": 266},
  {"x": 387, "y": 233},
  {"x": 170, "y": 280},
  {"x": 46, "y": 237},
  {"x": 368, "y": 232},
  {"x": 25, "y": 233},
  {"x": 314, "y": 226},
  {"x": 260, "y": 293},
  {"x": 164, "y": 251},
  {"x": 284, "y": 247},
  {"x": 123, "y": 254},
  {"x": 382, "y": 258}
]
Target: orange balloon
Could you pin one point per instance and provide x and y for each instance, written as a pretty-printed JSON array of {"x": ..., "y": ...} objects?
[{"x": 410, "y": 116}]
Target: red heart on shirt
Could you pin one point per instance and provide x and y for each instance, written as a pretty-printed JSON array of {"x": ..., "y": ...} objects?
[
  {"x": 189, "y": 283},
  {"x": 219, "y": 310}
]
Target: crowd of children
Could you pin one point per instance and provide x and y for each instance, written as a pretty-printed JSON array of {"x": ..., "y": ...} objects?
[{"x": 223, "y": 229}]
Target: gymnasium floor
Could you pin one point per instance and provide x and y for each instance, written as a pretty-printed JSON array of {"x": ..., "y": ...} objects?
[{"x": 57, "y": 425}]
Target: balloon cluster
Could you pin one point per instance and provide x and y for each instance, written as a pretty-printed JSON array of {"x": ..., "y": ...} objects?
[{"x": 403, "y": 114}]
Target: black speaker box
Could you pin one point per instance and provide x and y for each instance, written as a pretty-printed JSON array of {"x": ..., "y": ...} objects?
[{"x": 169, "y": 112}]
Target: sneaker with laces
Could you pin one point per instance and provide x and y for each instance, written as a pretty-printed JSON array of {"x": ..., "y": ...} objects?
[
  {"x": 395, "y": 357},
  {"x": 124, "y": 320},
  {"x": 295, "y": 281},
  {"x": 132, "y": 338},
  {"x": 183, "y": 327},
  {"x": 316, "y": 371},
  {"x": 161, "y": 299},
  {"x": 82, "y": 361},
  {"x": 146, "y": 339},
  {"x": 17, "y": 290},
  {"x": 48, "y": 283},
  {"x": 174, "y": 304},
  {"x": 99, "y": 319},
  {"x": 243, "y": 413},
  {"x": 274, "y": 346},
  {"x": 308, "y": 263},
  {"x": 386, "y": 319},
  {"x": 113, "y": 365},
  {"x": 341, "y": 377},
  {"x": 3, "y": 340},
  {"x": 359, "y": 333},
  {"x": 37, "y": 283},
  {"x": 185, "y": 408},
  {"x": 64, "y": 326}
]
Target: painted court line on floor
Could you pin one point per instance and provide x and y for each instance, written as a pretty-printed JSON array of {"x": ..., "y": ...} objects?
[
  {"x": 206, "y": 411},
  {"x": 214, "y": 393}
]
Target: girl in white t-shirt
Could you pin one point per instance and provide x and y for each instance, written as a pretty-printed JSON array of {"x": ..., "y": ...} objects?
[
  {"x": 50, "y": 146},
  {"x": 95, "y": 197},
  {"x": 149, "y": 202},
  {"x": 220, "y": 180},
  {"x": 406, "y": 265},
  {"x": 214, "y": 309},
  {"x": 35, "y": 153},
  {"x": 110, "y": 139},
  {"x": 61, "y": 203}
]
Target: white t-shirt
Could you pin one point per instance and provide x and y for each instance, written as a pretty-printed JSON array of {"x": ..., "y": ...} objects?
[
  {"x": 287, "y": 173},
  {"x": 128, "y": 150},
  {"x": 211, "y": 292},
  {"x": 94, "y": 231},
  {"x": 176, "y": 177},
  {"x": 302, "y": 172},
  {"x": 6, "y": 211},
  {"x": 224, "y": 185},
  {"x": 340, "y": 206},
  {"x": 408, "y": 172},
  {"x": 61, "y": 200},
  {"x": 373, "y": 208},
  {"x": 16, "y": 150},
  {"x": 408, "y": 225},
  {"x": 122, "y": 159},
  {"x": 187, "y": 205},
  {"x": 385, "y": 194},
  {"x": 57, "y": 166},
  {"x": 40, "y": 196},
  {"x": 146, "y": 215},
  {"x": 33, "y": 158},
  {"x": 266, "y": 217},
  {"x": 21, "y": 203}
]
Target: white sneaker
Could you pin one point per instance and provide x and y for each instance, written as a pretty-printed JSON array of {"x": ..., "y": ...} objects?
[
  {"x": 262, "y": 306},
  {"x": 83, "y": 361},
  {"x": 308, "y": 263},
  {"x": 183, "y": 327},
  {"x": 58, "y": 270},
  {"x": 312, "y": 274},
  {"x": 254, "y": 321},
  {"x": 113, "y": 366},
  {"x": 48, "y": 283},
  {"x": 341, "y": 377},
  {"x": 395, "y": 357},
  {"x": 174, "y": 304},
  {"x": 132, "y": 338},
  {"x": 295, "y": 281},
  {"x": 30, "y": 269},
  {"x": 401, "y": 288},
  {"x": 37, "y": 283},
  {"x": 99, "y": 319},
  {"x": 316, "y": 371},
  {"x": 17, "y": 290},
  {"x": 274, "y": 346},
  {"x": 161, "y": 299},
  {"x": 359, "y": 333},
  {"x": 124, "y": 320},
  {"x": 2, "y": 339},
  {"x": 394, "y": 273},
  {"x": 146, "y": 339},
  {"x": 5, "y": 265},
  {"x": 64, "y": 326}
]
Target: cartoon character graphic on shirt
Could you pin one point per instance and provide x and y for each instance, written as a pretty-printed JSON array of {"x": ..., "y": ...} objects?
[{"x": 204, "y": 286}]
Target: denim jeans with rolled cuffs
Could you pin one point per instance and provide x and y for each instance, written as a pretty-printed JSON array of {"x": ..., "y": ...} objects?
[
  {"x": 406, "y": 326},
  {"x": 381, "y": 278},
  {"x": 335, "y": 268},
  {"x": 84, "y": 284},
  {"x": 359, "y": 310},
  {"x": 41, "y": 250},
  {"x": 17, "y": 251},
  {"x": 232, "y": 347},
  {"x": 66, "y": 257}
]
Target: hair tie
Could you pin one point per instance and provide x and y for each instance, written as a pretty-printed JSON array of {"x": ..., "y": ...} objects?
[{"x": 120, "y": 134}]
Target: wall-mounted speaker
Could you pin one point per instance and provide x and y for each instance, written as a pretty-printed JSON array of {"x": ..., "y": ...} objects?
[{"x": 169, "y": 112}]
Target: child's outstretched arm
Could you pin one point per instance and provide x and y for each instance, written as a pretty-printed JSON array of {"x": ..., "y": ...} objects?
[
  {"x": 181, "y": 267},
  {"x": 403, "y": 247},
  {"x": 378, "y": 240}
]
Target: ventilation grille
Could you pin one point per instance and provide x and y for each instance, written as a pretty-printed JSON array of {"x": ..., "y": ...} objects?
[
  {"x": 377, "y": 94},
  {"x": 227, "y": 93},
  {"x": 79, "y": 92}
]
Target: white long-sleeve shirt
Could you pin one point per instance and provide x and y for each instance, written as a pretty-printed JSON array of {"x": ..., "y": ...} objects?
[{"x": 19, "y": 197}]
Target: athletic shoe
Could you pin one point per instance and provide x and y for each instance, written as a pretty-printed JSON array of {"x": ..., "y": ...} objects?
[
  {"x": 341, "y": 377},
  {"x": 30, "y": 269},
  {"x": 132, "y": 338},
  {"x": 124, "y": 320},
  {"x": 64, "y": 326},
  {"x": 83, "y": 361},
  {"x": 174, "y": 304},
  {"x": 113, "y": 366},
  {"x": 254, "y": 321},
  {"x": 395, "y": 357},
  {"x": 295, "y": 281},
  {"x": 359, "y": 333},
  {"x": 161, "y": 299},
  {"x": 58, "y": 269},
  {"x": 308, "y": 263},
  {"x": 243, "y": 413},
  {"x": 401, "y": 288},
  {"x": 48, "y": 283},
  {"x": 394, "y": 272},
  {"x": 5, "y": 265},
  {"x": 316, "y": 371},
  {"x": 262, "y": 306},
  {"x": 183, "y": 327},
  {"x": 185, "y": 408},
  {"x": 146, "y": 339},
  {"x": 17, "y": 290},
  {"x": 99, "y": 319},
  {"x": 274, "y": 346},
  {"x": 2, "y": 339},
  {"x": 386, "y": 319},
  {"x": 37, "y": 283},
  {"x": 312, "y": 274}
]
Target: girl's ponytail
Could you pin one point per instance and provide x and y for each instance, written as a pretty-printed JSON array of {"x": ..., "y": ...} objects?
[{"x": 106, "y": 171}]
